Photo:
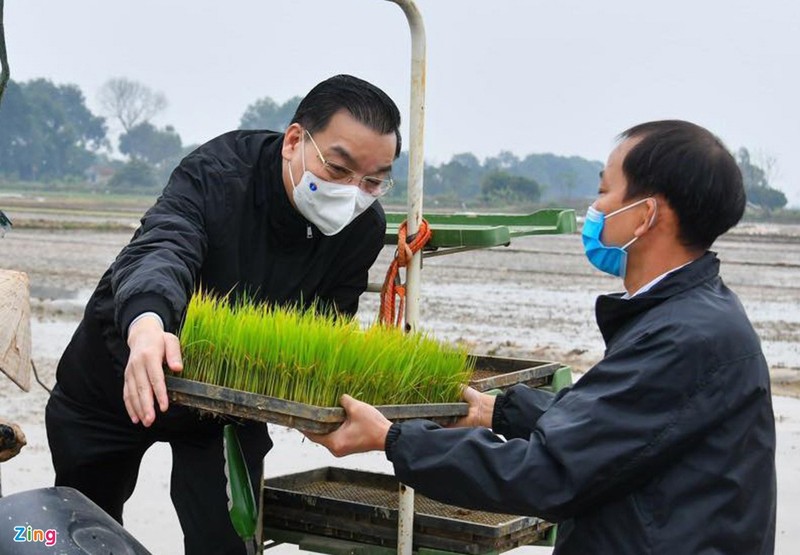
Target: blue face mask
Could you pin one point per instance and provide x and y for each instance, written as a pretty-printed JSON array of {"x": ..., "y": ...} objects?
[{"x": 611, "y": 260}]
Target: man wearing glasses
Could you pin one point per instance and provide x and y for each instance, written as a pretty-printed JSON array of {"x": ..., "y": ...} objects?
[{"x": 284, "y": 218}]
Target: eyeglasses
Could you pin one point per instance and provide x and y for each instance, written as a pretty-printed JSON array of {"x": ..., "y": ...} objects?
[{"x": 372, "y": 185}]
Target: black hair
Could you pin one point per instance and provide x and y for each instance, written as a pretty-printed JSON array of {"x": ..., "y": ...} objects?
[
  {"x": 364, "y": 101},
  {"x": 691, "y": 168}
]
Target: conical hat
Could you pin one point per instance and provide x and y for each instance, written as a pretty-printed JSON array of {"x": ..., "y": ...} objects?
[{"x": 15, "y": 327}]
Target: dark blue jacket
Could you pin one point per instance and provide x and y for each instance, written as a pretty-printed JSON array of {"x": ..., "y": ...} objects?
[{"x": 666, "y": 446}]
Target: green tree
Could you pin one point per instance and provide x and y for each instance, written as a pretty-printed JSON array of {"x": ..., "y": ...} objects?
[
  {"x": 46, "y": 131},
  {"x": 752, "y": 175},
  {"x": 561, "y": 177},
  {"x": 502, "y": 188},
  {"x": 265, "y": 113},
  {"x": 130, "y": 102},
  {"x": 145, "y": 142},
  {"x": 134, "y": 176},
  {"x": 766, "y": 197},
  {"x": 505, "y": 161},
  {"x": 461, "y": 176},
  {"x": 756, "y": 183}
]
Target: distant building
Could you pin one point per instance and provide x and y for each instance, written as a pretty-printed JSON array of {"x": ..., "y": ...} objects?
[{"x": 98, "y": 174}]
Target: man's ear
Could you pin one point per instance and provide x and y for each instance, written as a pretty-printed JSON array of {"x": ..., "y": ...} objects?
[
  {"x": 292, "y": 140},
  {"x": 649, "y": 218}
]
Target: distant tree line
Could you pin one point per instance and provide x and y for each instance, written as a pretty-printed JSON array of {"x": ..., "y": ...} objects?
[
  {"x": 503, "y": 180},
  {"x": 48, "y": 133},
  {"x": 756, "y": 182}
]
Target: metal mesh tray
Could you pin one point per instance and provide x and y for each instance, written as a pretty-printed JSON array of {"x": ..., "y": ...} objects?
[
  {"x": 363, "y": 507},
  {"x": 490, "y": 373}
]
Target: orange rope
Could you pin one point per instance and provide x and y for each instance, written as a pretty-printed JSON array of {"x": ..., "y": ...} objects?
[{"x": 392, "y": 286}]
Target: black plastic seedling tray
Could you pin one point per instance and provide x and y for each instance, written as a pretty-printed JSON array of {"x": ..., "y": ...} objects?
[
  {"x": 305, "y": 417},
  {"x": 490, "y": 373}
]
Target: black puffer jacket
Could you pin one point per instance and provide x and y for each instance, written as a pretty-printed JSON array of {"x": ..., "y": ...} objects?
[
  {"x": 223, "y": 222},
  {"x": 666, "y": 446}
]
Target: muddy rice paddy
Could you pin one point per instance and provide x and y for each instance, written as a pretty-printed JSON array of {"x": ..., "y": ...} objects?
[{"x": 532, "y": 299}]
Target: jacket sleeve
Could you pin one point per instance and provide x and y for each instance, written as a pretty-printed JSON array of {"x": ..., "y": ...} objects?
[
  {"x": 630, "y": 416},
  {"x": 517, "y": 411},
  {"x": 158, "y": 269},
  {"x": 358, "y": 253}
]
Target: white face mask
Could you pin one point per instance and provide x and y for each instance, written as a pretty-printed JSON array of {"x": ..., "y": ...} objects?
[{"x": 329, "y": 206}]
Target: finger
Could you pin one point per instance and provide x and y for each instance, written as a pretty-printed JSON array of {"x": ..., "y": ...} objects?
[
  {"x": 311, "y": 435},
  {"x": 173, "y": 352},
  {"x": 130, "y": 396},
  {"x": 327, "y": 440},
  {"x": 128, "y": 404},
  {"x": 315, "y": 437},
  {"x": 478, "y": 417},
  {"x": 144, "y": 390},
  {"x": 156, "y": 380},
  {"x": 347, "y": 402},
  {"x": 172, "y": 356},
  {"x": 469, "y": 394}
]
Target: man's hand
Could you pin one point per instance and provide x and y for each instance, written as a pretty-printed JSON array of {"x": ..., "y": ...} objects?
[
  {"x": 11, "y": 440},
  {"x": 363, "y": 430},
  {"x": 144, "y": 375},
  {"x": 481, "y": 409}
]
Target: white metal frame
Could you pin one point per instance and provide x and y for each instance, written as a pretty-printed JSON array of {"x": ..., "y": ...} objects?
[{"x": 416, "y": 164}]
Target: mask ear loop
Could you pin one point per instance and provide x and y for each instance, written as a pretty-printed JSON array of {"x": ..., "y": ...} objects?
[
  {"x": 302, "y": 157},
  {"x": 655, "y": 212},
  {"x": 303, "y": 149},
  {"x": 624, "y": 208},
  {"x": 649, "y": 226}
]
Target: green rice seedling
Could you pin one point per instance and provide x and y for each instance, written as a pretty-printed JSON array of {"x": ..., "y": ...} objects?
[{"x": 313, "y": 358}]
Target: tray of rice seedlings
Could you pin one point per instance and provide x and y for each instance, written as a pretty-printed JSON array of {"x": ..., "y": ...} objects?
[{"x": 291, "y": 366}]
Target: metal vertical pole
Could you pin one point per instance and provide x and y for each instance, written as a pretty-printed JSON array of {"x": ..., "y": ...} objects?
[
  {"x": 416, "y": 164},
  {"x": 416, "y": 159}
]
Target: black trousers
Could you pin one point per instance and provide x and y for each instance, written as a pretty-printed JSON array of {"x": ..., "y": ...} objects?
[{"x": 98, "y": 452}]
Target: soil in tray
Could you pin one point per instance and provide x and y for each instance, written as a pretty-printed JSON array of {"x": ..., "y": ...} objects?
[
  {"x": 380, "y": 497},
  {"x": 480, "y": 374},
  {"x": 483, "y": 373},
  {"x": 499, "y": 373}
]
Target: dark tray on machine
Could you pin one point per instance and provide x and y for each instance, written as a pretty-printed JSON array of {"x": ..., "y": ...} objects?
[
  {"x": 362, "y": 507},
  {"x": 490, "y": 373}
]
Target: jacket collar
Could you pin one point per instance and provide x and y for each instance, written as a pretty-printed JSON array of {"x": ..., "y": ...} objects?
[
  {"x": 286, "y": 223},
  {"x": 613, "y": 312},
  {"x": 268, "y": 178}
]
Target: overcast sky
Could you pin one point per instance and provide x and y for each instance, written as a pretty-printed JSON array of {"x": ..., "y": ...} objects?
[{"x": 519, "y": 75}]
